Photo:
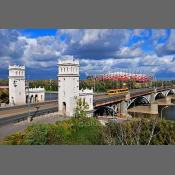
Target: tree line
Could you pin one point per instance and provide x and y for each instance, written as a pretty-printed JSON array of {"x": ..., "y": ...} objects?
[{"x": 99, "y": 86}]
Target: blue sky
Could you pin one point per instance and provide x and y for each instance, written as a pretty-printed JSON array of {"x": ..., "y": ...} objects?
[{"x": 99, "y": 51}]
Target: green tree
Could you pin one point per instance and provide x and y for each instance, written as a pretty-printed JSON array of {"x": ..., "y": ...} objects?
[{"x": 81, "y": 108}]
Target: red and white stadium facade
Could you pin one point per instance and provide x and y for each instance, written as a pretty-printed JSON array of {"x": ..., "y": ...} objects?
[{"x": 123, "y": 76}]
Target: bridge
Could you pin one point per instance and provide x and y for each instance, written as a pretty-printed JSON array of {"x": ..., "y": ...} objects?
[{"x": 122, "y": 102}]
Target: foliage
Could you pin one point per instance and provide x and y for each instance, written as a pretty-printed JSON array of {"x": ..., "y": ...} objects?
[
  {"x": 47, "y": 84},
  {"x": 81, "y": 108},
  {"x": 140, "y": 132},
  {"x": 72, "y": 131},
  {"x": 4, "y": 96},
  {"x": 85, "y": 130},
  {"x": 15, "y": 139}
]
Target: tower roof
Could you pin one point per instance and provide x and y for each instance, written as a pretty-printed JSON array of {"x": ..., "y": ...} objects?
[
  {"x": 68, "y": 60},
  {"x": 16, "y": 67}
]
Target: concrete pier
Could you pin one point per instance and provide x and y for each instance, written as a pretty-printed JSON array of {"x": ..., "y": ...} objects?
[
  {"x": 168, "y": 100},
  {"x": 154, "y": 108},
  {"x": 123, "y": 108}
]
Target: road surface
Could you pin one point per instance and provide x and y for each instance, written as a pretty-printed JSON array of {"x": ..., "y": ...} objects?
[{"x": 11, "y": 115}]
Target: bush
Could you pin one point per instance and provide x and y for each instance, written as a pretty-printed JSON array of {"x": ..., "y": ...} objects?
[
  {"x": 89, "y": 131},
  {"x": 140, "y": 132},
  {"x": 15, "y": 139},
  {"x": 72, "y": 131},
  {"x": 36, "y": 134}
]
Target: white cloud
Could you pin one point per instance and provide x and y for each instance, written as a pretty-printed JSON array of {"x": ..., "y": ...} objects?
[
  {"x": 127, "y": 52},
  {"x": 99, "y": 50},
  {"x": 94, "y": 43}
]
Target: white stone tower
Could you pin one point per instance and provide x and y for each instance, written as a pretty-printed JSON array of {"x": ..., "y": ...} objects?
[
  {"x": 17, "y": 93},
  {"x": 68, "y": 85}
]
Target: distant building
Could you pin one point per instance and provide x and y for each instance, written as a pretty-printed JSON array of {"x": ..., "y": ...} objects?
[
  {"x": 124, "y": 76},
  {"x": 68, "y": 87}
]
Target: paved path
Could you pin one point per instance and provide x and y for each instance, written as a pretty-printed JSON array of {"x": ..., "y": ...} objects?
[{"x": 9, "y": 129}]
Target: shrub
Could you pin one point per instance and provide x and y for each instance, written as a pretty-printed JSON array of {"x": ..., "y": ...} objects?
[
  {"x": 15, "y": 139},
  {"x": 36, "y": 134},
  {"x": 72, "y": 131},
  {"x": 140, "y": 132}
]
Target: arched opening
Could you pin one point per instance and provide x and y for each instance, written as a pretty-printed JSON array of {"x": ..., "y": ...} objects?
[
  {"x": 64, "y": 107},
  {"x": 104, "y": 111},
  {"x": 36, "y": 98},
  {"x": 27, "y": 98},
  {"x": 159, "y": 96},
  {"x": 142, "y": 101},
  {"x": 31, "y": 99},
  {"x": 170, "y": 92}
]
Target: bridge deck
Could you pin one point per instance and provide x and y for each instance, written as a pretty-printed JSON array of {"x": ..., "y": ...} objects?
[{"x": 102, "y": 100}]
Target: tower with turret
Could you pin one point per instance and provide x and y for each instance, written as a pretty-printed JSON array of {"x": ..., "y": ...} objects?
[
  {"x": 68, "y": 85},
  {"x": 17, "y": 94}
]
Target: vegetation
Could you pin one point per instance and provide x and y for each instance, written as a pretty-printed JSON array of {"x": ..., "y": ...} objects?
[
  {"x": 81, "y": 108},
  {"x": 47, "y": 84},
  {"x": 89, "y": 131},
  {"x": 4, "y": 82},
  {"x": 140, "y": 132},
  {"x": 100, "y": 86},
  {"x": 4, "y": 96},
  {"x": 77, "y": 130},
  {"x": 73, "y": 131},
  {"x": 103, "y": 86}
]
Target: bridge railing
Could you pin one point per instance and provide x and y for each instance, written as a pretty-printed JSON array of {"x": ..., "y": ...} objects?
[
  {"x": 25, "y": 105},
  {"x": 117, "y": 98}
]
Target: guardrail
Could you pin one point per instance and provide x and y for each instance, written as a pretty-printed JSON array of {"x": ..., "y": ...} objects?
[
  {"x": 24, "y": 116},
  {"x": 120, "y": 97},
  {"x": 25, "y": 105}
]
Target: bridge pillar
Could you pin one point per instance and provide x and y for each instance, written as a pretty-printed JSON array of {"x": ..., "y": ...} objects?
[
  {"x": 123, "y": 108},
  {"x": 152, "y": 99},
  {"x": 168, "y": 100},
  {"x": 154, "y": 108}
]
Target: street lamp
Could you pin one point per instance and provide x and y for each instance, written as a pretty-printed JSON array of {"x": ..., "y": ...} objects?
[
  {"x": 14, "y": 98},
  {"x": 50, "y": 88},
  {"x": 94, "y": 83},
  {"x": 28, "y": 99},
  {"x": 162, "y": 111}
]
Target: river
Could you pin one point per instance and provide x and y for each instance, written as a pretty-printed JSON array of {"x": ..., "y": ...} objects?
[
  {"x": 169, "y": 113},
  {"x": 51, "y": 96}
]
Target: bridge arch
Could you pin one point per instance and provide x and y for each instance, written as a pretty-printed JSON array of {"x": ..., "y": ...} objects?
[
  {"x": 159, "y": 95},
  {"x": 171, "y": 91},
  {"x": 104, "y": 111},
  {"x": 138, "y": 100}
]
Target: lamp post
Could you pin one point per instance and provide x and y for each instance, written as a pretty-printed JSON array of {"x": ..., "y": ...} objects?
[
  {"x": 28, "y": 99},
  {"x": 94, "y": 83},
  {"x": 14, "y": 98},
  {"x": 162, "y": 111},
  {"x": 50, "y": 89}
]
